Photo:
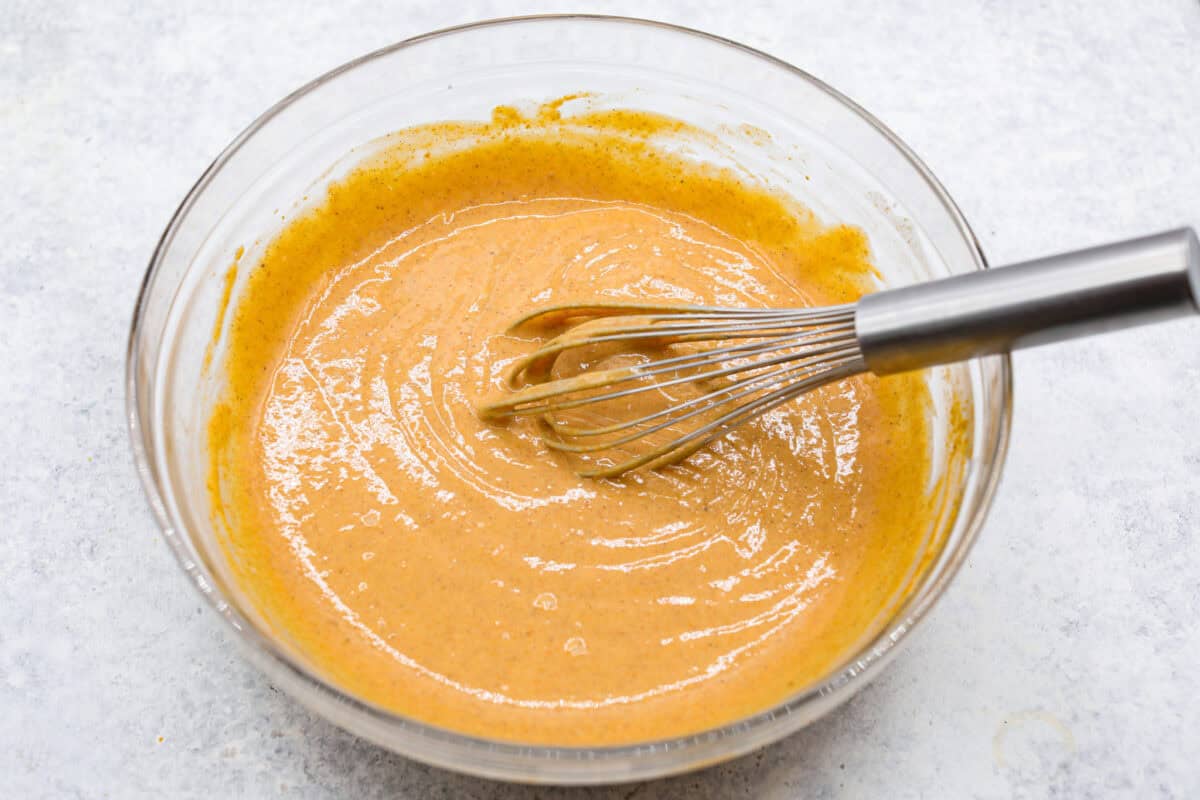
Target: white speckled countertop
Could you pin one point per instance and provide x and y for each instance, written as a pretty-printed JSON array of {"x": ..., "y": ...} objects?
[{"x": 1063, "y": 661}]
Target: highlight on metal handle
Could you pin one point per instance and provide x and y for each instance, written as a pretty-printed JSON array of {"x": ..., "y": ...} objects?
[{"x": 1035, "y": 302}]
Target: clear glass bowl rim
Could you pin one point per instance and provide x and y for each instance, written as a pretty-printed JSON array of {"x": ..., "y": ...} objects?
[{"x": 839, "y": 686}]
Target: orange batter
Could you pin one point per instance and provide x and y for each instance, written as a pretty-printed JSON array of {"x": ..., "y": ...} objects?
[{"x": 459, "y": 573}]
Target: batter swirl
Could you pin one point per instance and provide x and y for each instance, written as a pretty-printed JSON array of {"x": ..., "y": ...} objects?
[{"x": 458, "y": 572}]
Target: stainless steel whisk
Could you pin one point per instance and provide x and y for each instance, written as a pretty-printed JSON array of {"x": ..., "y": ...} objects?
[{"x": 763, "y": 358}]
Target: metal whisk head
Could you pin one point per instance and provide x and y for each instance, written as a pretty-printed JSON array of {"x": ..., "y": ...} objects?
[{"x": 626, "y": 385}]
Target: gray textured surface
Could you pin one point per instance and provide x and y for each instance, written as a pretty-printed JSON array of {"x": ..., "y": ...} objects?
[{"x": 1063, "y": 660}]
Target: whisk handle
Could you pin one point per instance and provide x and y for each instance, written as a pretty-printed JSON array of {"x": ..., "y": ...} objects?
[{"x": 1035, "y": 302}]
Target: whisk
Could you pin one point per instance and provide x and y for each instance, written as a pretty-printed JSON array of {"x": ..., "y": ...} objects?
[{"x": 741, "y": 363}]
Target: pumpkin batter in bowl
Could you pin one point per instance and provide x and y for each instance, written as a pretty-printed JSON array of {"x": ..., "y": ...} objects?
[{"x": 458, "y": 572}]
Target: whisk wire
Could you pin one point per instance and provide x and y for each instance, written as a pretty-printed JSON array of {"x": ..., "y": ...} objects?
[
  {"x": 523, "y": 402},
  {"x": 789, "y": 352},
  {"x": 539, "y": 362},
  {"x": 689, "y": 443},
  {"x": 691, "y": 408}
]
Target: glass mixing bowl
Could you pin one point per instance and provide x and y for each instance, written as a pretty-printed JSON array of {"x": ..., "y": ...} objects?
[{"x": 779, "y": 123}]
